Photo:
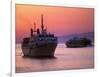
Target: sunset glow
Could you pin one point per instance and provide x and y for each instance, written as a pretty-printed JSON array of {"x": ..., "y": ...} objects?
[{"x": 57, "y": 20}]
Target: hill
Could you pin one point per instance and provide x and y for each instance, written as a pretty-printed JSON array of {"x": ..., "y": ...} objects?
[{"x": 64, "y": 38}]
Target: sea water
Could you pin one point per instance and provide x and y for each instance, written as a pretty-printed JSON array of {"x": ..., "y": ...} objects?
[{"x": 65, "y": 59}]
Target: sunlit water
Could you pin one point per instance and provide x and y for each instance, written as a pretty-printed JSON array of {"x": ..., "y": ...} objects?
[{"x": 66, "y": 58}]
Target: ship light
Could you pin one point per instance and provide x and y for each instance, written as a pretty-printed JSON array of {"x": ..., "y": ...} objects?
[{"x": 40, "y": 39}]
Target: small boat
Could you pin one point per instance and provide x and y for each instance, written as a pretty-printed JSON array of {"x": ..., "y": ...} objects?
[{"x": 78, "y": 42}]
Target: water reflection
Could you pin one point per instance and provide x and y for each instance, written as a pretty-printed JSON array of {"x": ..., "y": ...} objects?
[{"x": 65, "y": 58}]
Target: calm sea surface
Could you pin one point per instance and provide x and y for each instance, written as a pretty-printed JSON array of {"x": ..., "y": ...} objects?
[{"x": 66, "y": 58}]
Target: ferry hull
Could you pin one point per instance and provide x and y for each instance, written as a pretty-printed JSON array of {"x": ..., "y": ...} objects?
[
  {"x": 75, "y": 46},
  {"x": 43, "y": 50}
]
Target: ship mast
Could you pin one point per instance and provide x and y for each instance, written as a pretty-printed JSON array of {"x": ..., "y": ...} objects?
[
  {"x": 43, "y": 31},
  {"x": 31, "y": 32},
  {"x": 34, "y": 27},
  {"x": 42, "y": 25}
]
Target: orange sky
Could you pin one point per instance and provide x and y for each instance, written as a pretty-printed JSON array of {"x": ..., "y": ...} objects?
[{"x": 58, "y": 20}]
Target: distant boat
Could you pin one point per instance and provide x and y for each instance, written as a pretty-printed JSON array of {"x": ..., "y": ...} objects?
[
  {"x": 78, "y": 42},
  {"x": 39, "y": 44}
]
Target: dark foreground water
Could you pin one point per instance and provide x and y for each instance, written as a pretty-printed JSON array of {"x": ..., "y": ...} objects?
[{"x": 65, "y": 59}]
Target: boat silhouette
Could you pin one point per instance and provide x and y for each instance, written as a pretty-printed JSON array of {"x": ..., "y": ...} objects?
[
  {"x": 40, "y": 43},
  {"x": 78, "y": 42}
]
